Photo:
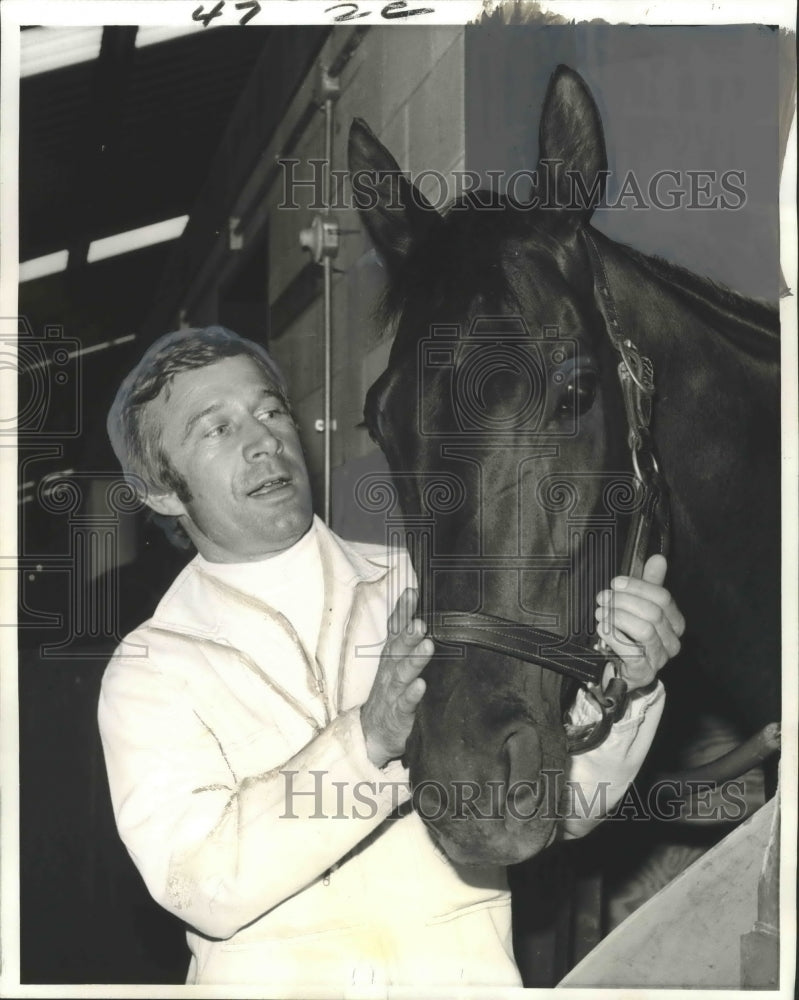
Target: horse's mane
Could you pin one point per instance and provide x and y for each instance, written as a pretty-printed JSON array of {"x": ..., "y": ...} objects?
[
  {"x": 751, "y": 324},
  {"x": 459, "y": 265}
]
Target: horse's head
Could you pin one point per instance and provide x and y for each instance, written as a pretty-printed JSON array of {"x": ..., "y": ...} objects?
[{"x": 500, "y": 389}]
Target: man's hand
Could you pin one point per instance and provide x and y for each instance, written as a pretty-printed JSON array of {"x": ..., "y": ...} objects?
[
  {"x": 387, "y": 714},
  {"x": 640, "y": 622}
]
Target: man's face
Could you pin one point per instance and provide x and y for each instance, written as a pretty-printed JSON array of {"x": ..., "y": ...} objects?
[{"x": 227, "y": 432}]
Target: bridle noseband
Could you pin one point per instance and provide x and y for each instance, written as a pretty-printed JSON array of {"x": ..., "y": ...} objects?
[{"x": 547, "y": 649}]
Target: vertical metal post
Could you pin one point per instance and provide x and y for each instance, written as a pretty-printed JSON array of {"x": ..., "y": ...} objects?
[
  {"x": 322, "y": 239},
  {"x": 328, "y": 312}
]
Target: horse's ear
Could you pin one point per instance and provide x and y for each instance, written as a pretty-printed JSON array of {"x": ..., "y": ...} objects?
[
  {"x": 394, "y": 210},
  {"x": 572, "y": 168}
]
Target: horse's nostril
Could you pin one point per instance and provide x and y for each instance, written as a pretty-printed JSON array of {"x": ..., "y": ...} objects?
[
  {"x": 522, "y": 800},
  {"x": 522, "y": 750}
]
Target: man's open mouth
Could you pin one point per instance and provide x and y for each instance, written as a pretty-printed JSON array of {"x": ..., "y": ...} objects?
[{"x": 269, "y": 486}]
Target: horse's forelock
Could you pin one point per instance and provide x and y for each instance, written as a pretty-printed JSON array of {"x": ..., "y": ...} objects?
[
  {"x": 458, "y": 264},
  {"x": 464, "y": 269}
]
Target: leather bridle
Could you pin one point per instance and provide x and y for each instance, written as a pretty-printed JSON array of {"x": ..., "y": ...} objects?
[{"x": 547, "y": 649}]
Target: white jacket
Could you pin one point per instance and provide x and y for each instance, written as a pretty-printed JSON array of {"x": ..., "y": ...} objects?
[{"x": 239, "y": 779}]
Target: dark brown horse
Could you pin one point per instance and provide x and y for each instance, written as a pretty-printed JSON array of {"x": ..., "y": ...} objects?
[{"x": 502, "y": 380}]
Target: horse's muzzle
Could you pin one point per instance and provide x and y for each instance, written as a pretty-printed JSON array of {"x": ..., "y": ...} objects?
[{"x": 504, "y": 817}]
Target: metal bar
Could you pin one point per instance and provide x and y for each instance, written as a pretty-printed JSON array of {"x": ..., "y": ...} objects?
[
  {"x": 328, "y": 311},
  {"x": 328, "y": 308}
]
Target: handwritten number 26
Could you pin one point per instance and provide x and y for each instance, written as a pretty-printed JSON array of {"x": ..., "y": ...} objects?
[
  {"x": 396, "y": 9},
  {"x": 348, "y": 15},
  {"x": 399, "y": 8}
]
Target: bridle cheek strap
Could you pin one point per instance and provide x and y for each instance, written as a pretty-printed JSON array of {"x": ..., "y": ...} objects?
[{"x": 637, "y": 382}]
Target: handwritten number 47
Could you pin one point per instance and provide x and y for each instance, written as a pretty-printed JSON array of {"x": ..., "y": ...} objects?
[{"x": 251, "y": 6}]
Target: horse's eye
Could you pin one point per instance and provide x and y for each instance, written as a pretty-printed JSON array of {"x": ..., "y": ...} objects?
[{"x": 578, "y": 393}]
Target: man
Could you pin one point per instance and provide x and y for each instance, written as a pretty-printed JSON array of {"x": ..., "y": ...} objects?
[{"x": 253, "y": 727}]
